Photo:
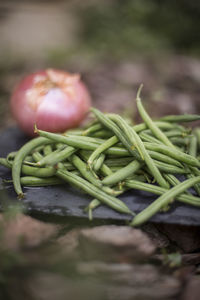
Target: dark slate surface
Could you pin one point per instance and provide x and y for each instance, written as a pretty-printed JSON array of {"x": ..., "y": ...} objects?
[{"x": 66, "y": 201}]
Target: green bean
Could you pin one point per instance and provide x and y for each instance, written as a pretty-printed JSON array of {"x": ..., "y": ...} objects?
[
  {"x": 99, "y": 162},
  {"x": 193, "y": 146},
  {"x": 37, "y": 156},
  {"x": 181, "y": 118},
  {"x": 4, "y": 162},
  {"x": 95, "y": 192},
  {"x": 193, "y": 173},
  {"x": 74, "y": 132},
  {"x": 116, "y": 162},
  {"x": 135, "y": 139},
  {"x": 154, "y": 189},
  {"x": 104, "y": 146},
  {"x": 197, "y": 133},
  {"x": 17, "y": 164},
  {"x": 146, "y": 118},
  {"x": 57, "y": 156},
  {"x": 160, "y": 124},
  {"x": 37, "y": 181},
  {"x": 87, "y": 139},
  {"x": 174, "y": 153},
  {"x": 172, "y": 179},
  {"x": 178, "y": 141},
  {"x": 148, "y": 138},
  {"x": 69, "y": 166},
  {"x": 28, "y": 159},
  {"x": 167, "y": 168},
  {"x": 164, "y": 158},
  {"x": 87, "y": 174},
  {"x": 163, "y": 200},
  {"x": 69, "y": 140},
  {"x": 38, "y": 172},
  {"x": 175, "y": 133},
  {"x": 47, "y": 150},
  {"x": 10, "y": 157},
  {"x": 116, "y": 168},
  {"x": 113, "y": 127},
  {"x": 123, "y": 173},
  {"x": 93, "y": 204},
  {"x": 137, "y": 177},
  {"x": 102, "y": 134},
  {"x": 80, "y": 144},
  {"x": 59, "y": 146},
  {"x": 92, "y": 129},
  {"x": 105, "y": 170}
]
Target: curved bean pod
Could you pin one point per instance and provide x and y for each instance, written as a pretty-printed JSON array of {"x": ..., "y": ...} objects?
[
  {"x": 163, "y": 200},
  {"x": 17, "y": 163}
]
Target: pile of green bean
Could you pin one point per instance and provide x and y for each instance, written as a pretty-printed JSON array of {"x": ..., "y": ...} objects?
[{"x": 111, "y": 156}]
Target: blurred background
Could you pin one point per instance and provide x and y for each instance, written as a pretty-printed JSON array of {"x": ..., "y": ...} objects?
[{"x": 115, "y": 45}]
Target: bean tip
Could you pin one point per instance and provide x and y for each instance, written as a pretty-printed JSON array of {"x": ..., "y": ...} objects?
[
  {"x": 35, "y": 128},
  {"x": 139, "y": 92},
  {"x": 20, "y": 196}
]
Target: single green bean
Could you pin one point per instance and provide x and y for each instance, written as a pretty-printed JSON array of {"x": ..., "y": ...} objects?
[
  {"x": 193, "y": 146},
  {"x": 37, "y": 181},
  {"x": 56, "y": 156},
  {"x": 167, "y": 168},
  {"x": 197, "y": 133},
  {"x": 93, "y": 204},
  {"x": 105, "y": 170},
  {"x": 180, "y": 141},
  {"x": 102, "y": 134},
  {"x": 99, "y": 162},
  {"x": 92, "y": 129},
  {"x": 47, "y": 150},
  {"x": 160, "y": 124},
  {"x": 176, "y": 133},
  {"x": 123, "y": 173},
  {"x": 37, "y": 156},
  {"x": 146, "y": 118},
  {"x": 104, "y": 146},
  {"x": 10, "y": 157},
  {"x": 87, "y": 139},
  {"x": 74, "y": 132},
  {"x": 149, "y": 138},
  {"x": 59, "y": 146},
  {"x": 118, "y": 162},
  {"x": 4, "y": 162},
  {"x": 17, "y": 164},
  {"x": 164, "y": 158},
  {"x": 163, "y": 200},
  {"x": 181, "y": 118},
  {"x": 38, "y": 172}
]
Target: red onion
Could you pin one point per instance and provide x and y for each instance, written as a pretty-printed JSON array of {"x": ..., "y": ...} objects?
[{"x": 54, "y": 100}]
